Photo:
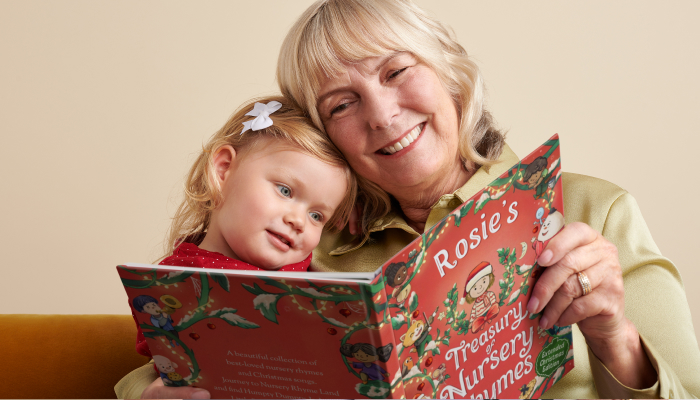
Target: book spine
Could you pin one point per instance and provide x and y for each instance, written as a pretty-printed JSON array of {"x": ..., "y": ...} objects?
[{"x": 380, "y": 319}]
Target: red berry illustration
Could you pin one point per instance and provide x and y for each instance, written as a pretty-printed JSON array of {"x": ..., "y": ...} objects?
[
  {"x": 421, "y": 386},
  {"x": 194, "y": 336},
  {"x": 211, "y": 326},
  {"x": 535, "y": 229},
  {"x": 416, "y": 314},
  {"x": 345, "y": 312},
  {"x": 331, "y": 331},
  {"x": 428, "y": 361}
]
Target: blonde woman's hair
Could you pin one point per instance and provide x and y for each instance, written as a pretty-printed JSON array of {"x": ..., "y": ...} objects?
[
  {"x": 333, "y": 32},
  {"x": 202, "y": 189}
]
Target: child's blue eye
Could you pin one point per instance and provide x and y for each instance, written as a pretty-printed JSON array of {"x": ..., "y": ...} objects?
[
  {"x": 316, "y": 216},
  {"x": 284, "y": 191}
]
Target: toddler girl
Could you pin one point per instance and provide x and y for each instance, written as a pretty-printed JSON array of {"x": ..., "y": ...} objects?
[{"x": 259, "y": 195}]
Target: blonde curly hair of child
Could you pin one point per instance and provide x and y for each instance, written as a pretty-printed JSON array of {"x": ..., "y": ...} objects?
[{"x": 203, "y": 192}]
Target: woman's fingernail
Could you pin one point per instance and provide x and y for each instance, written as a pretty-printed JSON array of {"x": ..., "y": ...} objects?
[
  {"x": 543, "y": 322},
  {"x": 532, "y": 305},
  {"x": 545, "y": 257}
]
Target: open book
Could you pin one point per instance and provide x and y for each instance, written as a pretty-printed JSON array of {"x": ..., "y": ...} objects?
[{"x": 444, "y": 318}]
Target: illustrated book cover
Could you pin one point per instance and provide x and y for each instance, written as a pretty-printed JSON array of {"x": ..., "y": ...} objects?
[{"x": 444, "y": 318}]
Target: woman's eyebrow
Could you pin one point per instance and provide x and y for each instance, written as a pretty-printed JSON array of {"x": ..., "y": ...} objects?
[{"x": 376, "y": 69}]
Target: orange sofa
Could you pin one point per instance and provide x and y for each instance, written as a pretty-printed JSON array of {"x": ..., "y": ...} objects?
[{"x": 66, "y": 356}]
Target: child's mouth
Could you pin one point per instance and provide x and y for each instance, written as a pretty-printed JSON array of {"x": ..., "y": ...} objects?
[{"x": 280, "y": 238}]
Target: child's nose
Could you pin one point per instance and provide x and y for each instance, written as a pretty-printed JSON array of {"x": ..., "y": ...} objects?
[{"x": 295, "y": 217}]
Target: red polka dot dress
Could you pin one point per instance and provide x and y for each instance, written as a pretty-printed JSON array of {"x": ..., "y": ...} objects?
[{"x": 189, "y": 255}]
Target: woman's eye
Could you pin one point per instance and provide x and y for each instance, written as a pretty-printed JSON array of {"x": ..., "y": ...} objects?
[
  {"x": 284, "y": 191},
  {"x": 396, "y": 73},
  {"x": 339, "y": 108},
  {"x": 316, "y": 216}
]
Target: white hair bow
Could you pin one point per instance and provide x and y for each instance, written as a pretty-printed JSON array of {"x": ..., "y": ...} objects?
[{"x": 262, "y": 113}]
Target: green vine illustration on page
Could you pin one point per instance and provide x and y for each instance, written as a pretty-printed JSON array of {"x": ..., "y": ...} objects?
[{"x": 169, "y": 333}]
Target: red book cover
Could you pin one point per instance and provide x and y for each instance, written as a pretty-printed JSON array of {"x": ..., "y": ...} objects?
[
  {"x": 444, "y": 318},
  {"x": 458, "y": 294}
]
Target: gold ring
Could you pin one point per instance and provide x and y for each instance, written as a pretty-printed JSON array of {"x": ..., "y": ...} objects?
[{"x": 585, "y": 283}]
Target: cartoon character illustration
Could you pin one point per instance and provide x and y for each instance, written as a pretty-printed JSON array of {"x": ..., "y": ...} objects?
[
  {"x": 367, "y": 355},
  {"x": 166, "y": 368},
  {"x": 439, "y": 374},
  {"x": 396, "y": 274},
  {"x": 485, "y": 306},
  {"x": 536, "y": 175},
  {"x": 418, "y": 334},
  {"x": 406, "y": 366},
  {"x": 550, "y": 227},
  {"x": 160, "y": 317}
]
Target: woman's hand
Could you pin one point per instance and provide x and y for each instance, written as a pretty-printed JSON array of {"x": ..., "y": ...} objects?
[
  {"x": 599, "y": 314},
  {"x": 157, "y": 390}
]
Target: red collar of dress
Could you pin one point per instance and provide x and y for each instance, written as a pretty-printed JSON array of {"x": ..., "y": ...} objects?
[{"x": 192, "y": 250}]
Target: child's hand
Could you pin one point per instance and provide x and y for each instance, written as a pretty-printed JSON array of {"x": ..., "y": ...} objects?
[{"x": 157, "y": 390}]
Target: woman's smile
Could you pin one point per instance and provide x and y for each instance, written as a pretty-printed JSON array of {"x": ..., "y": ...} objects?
[{"x": 405, "y": 141}]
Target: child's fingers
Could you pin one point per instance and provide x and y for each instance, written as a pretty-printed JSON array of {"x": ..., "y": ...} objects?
[{"x": 157, "y": 390}]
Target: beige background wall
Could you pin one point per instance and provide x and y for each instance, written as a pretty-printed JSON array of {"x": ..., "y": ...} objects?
[{"x": 104, "y": 104}]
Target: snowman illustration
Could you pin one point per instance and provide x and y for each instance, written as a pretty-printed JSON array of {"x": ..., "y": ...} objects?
[{"x": 550, "y": 227}]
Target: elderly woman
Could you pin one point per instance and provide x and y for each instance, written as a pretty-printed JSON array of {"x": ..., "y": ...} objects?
[{"x": 404, "y": 103}]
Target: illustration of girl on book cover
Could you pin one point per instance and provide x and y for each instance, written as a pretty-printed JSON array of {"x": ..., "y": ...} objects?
[
  {"x": 367, "y": 355},
  {"x": 485, "y": 306}
]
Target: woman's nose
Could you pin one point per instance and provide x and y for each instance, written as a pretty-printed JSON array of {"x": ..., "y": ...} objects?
[{"x": 382, "y": 107}]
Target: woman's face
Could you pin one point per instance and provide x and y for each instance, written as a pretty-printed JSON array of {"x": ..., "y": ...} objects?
[{"x": 394, "y": 121}]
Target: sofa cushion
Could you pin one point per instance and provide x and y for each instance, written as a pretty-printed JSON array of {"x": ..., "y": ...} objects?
[{"x": 66, "y": 356}]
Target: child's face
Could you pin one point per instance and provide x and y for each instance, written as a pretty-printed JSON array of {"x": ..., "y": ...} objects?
[
  {"x": 401, "y": 276},
  {"x": 364, "y": 357},
  {"x": 534, "y": 178},
  {"x": 151, "y": 308},
  {"x": 551, "y": 226},
  {"x": 276, "y": 201},
  {"x": 479, "y": 287},
  {"x": 164, "y": 365}
]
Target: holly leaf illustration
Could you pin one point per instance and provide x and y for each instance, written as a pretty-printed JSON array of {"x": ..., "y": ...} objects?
[
  {"x": 413, "y": 302},
  {"x": 398, "y": 322},
  {"x": 267, "y": 304},
  {"x": 229, "y": 315},
  {"x": 511, "y": 257},
  {"x": 264, "y": 301},
  {"x": 221, "y": 279}
]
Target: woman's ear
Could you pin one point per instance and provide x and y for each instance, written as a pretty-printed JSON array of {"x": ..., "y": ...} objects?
[{"x": 221, "y": 161}]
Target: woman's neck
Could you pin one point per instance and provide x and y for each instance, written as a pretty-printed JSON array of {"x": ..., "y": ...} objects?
[{"x": 417, "y": 208}]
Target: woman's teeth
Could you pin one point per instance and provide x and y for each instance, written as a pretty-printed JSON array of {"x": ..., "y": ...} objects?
[{"x": 408, "y": 139}]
